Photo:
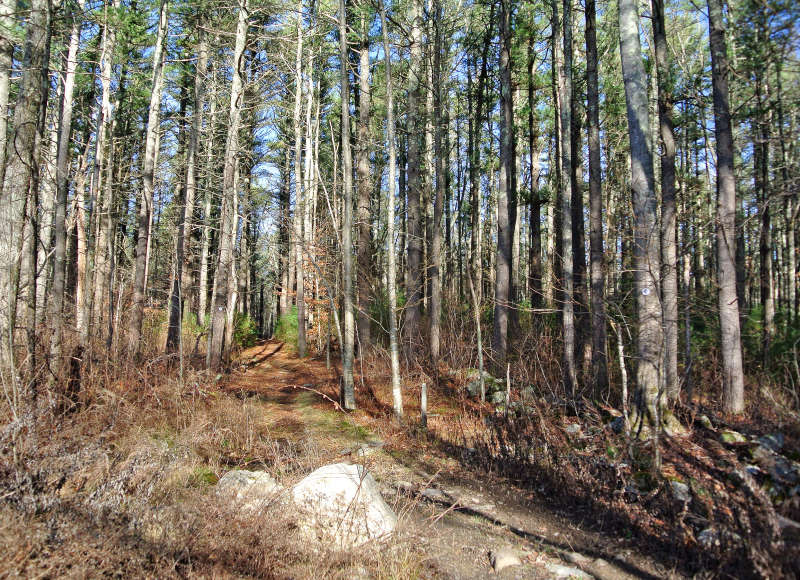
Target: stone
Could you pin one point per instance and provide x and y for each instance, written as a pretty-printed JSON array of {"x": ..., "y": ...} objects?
[
  {"x": 708, "y": 538},
  {"x": 573, "y": 429},
  {"x": 340, "y": 504},
  {"x": 497, "y": 398},
  {"x": 680, "y": 491},
  {"x": 705, "y": 422},
  {"x": 503, "y": 558},
  {"x": 250, "y": 490},
  {"x": 730, "y": 436},
  {"x": 618, "y": 424},
  {"x": 491, "y": 384},
  {"x": 773, "y": 442},
  {"x": 576, "y": 558},
  {"x": 561, "y": 571}
]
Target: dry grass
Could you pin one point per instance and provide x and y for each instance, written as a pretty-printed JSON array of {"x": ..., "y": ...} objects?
[{"x": 122, "y": 485}]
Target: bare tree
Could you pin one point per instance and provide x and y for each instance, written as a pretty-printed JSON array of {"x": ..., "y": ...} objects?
[
  {"x": 731, "y": 343},
  {"x": 562, "y": 65},
  {"x": 348, "y": 399},
  {"x": 220, "y": 304},
  {"x": 646, "y": 246},
  {"x": 391, "y": 274},
  {"x": 506, "y": 194},
  {"x": 148, "y": 179},
  {"x": 179, "y": 283},
  {"x": 599, "y": 332}
]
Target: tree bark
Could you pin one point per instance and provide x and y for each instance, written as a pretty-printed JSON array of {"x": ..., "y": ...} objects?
[
  {"x": 415, "y": 229},
  {"x": 506, "y": 195},
  {"x": 391, "y": 275},
  {"x": 56, "y": 305},
  {"x": 348, "y": 400},
  {"x": 731, "y": 346},
  {"x": 562, "y": 63},
  {"x": 179, "y": 284},
  {"x": 647, "y": 259},
  {"x": 599, "y": 371},
  {"x": 148, "y": 186},
  {"x": 669, "y": 254},
  {"x": 21, "y": 177},
  {"x": 364, "y": 189},
  {"x": 228, "y": 220}
]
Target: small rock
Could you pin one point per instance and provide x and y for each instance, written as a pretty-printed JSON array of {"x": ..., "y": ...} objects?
[
  {"x": 576, "y": 558},
  {"x": 708, "y": 538},
  {"x": 753, "y": 469},
  {"x": 251, "y": 490},
  {"x": 618, "y": 424},
  {"x": 561, "y": 571},
  {"x": 680, "y": 491},
  {"x": 729, "y": 436},
  {"x": 503, "y": 558},
  {"x": 773, "y": 442},
  {"x": 573, "y": 429},
  {"x": 497, "y": 398}
]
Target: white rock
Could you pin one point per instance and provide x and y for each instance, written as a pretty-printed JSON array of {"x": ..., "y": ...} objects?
[
  {"x": 341, "y": 504},
  {"x": 503, "y": 558},
  {"x": 561, "y": 571},
  {"x": 680, "y": 491},
  {"x": 250, "y": 490}
]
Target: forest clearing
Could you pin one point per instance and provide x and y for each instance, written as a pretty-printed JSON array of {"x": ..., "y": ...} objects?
[{"x": 407, "y": 289}]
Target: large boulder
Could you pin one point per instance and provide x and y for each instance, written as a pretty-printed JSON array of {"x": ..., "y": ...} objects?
[
  {"x": 248, "y": 490},
  {"x": 340, "y": 505}
]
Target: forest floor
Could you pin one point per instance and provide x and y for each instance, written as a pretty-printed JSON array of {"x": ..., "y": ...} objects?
[
  {"x": 453, "y": 516},
  {"x": 123, "y": 482}
]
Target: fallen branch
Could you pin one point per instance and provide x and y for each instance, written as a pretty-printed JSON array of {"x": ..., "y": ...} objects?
[{"x": 336, "y": 405}]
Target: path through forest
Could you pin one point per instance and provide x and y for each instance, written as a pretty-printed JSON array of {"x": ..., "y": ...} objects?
[{"x": 452, "y": 517}]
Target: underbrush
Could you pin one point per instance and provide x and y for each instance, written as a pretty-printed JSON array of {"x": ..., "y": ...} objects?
[{"x": 122, "y": 484}]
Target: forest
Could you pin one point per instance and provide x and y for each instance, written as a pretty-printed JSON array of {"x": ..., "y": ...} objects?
[{"x": 550, "y": 246}]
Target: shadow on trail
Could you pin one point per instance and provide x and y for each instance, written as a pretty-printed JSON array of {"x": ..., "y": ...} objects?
[
  {"x": 667, "y": 554},
  {"x": 257, "y": 361}
]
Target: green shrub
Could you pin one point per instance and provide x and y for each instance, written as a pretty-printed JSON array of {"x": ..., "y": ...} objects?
[
  {"x": 286, "y": 327},
  {"x": 245, "y": 332}
]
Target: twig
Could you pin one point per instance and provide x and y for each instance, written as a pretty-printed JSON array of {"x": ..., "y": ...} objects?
[{"x": 336, "y": 405}]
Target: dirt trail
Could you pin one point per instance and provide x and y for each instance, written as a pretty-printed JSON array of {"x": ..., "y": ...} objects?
[{"x": 452, "y": 516}]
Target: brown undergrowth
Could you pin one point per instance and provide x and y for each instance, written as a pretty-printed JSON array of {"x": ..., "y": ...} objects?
[{"x": 122, "y": 483}]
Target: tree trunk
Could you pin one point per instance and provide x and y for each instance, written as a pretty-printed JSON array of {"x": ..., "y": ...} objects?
[
  {"x": 731, "y": 345},
  {"x": 364, "y": 189},
  {"x": 506, "y": 195},
  {"x": 148, "y": 185},
  {"x": 669, "y": 254},
  {"x": 7, "y": 24},
  {"x": 562, "y": 63},
  {"x": 599, "y": 371},
  {"x": 56, "y": 305},
  {"x": 205, "y": 244},
  {"x": 225, "y": 259},
  {"x": 440, "y": 126},
  {"x": 416, "y": 231},
  {"x": 646, "y": 248},
  {"x": 21, "y": 177},
  {"x": 391, "y": 275},
  {"x": 535, "y": 215},
  {"x": 348, "y": 400},
  {"x": 179, "y": 284}
]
